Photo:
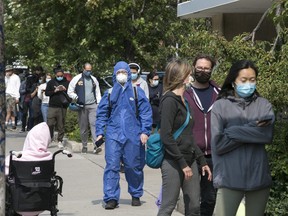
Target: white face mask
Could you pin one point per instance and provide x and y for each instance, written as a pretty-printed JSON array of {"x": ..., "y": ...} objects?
[
  {"x": 155, "y": 83},
  {"x": 121, "y": 78}
]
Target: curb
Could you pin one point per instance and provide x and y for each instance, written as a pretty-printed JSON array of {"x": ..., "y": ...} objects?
[{"x": 77, "y": 147}]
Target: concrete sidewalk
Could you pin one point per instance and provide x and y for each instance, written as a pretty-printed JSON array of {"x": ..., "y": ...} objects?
[{"x": 83, "y": 183}]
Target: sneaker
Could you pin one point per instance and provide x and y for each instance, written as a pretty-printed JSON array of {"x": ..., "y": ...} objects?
[
  {"x": 22, "y": 131},
  {"x": 97, "y": 150},
  {"x": 84, "y": 150},
  {"x": 60, "y": 145},
  {"x": 136, "y": 201},
  {"x": 111, "y": 204},
  {"x": 14, "y": 127}
]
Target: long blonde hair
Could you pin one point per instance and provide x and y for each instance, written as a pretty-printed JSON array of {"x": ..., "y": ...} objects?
[{"x": 176, "y": 72}]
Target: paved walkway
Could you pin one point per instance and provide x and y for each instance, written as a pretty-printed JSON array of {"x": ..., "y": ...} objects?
[{"x": 83, "y": 184}]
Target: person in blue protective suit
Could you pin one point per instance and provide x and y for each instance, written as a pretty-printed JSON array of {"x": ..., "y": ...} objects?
[{"x": 126, "y": 114}]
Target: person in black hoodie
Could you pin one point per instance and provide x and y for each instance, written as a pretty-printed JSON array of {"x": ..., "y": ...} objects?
[
  {"x": 180, "y": 154},
  {"x": 155, "y": 93},
  {"x": 28, "y": 90},
  {"x": 59, "y": 101}
]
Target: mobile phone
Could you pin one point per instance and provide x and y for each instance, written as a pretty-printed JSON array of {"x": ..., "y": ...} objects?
[
  {"x": 99, "y": 142},
  {"x": 265, "y": 120}
]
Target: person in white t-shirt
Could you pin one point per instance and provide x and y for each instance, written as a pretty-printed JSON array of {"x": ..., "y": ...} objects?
[
  {"x": 12, "y": 83},
  {"x": 137, "y": 80}
]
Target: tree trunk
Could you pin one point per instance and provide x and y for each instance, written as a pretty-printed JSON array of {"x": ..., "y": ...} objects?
[{"x": 2, "y": 115}]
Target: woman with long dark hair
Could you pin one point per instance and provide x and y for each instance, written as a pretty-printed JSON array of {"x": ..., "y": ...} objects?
[{"x": 241, "y": 124}]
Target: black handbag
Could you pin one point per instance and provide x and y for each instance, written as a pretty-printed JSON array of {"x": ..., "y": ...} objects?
[{"x": 65, "y": 99}]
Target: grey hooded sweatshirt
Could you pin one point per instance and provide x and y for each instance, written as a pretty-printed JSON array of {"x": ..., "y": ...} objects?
[{"x": 238, "y": 144}]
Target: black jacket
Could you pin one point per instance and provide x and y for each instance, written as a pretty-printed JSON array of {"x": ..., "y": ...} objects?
[
  {"x": 182, "y": 150},
  {"x": 56, "y": 98}
]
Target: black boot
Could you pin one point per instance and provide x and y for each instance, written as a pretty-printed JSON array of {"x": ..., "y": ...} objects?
[
  {"x": 135, "y": 201},
  {"x": 111, "y": 204}
]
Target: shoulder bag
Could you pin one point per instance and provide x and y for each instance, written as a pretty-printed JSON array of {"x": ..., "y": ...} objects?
[{"x": 155, "y": 149}]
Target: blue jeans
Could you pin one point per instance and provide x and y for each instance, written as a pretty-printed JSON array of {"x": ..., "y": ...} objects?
[{"x": 44, "y": 111}]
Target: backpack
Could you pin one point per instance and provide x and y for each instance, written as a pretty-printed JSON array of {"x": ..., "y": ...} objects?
[{"x": 135, "y": 99}]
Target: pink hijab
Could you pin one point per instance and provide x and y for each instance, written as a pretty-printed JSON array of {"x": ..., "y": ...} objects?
[{"x": 35, "y": 146}]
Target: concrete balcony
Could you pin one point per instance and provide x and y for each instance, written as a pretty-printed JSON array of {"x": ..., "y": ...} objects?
[
  {"x": 209, "y": 8},
  {"x": 231, "y": 17}
]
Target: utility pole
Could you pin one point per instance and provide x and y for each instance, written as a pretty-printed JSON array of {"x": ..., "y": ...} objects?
[{"x": 2, "y": 114}]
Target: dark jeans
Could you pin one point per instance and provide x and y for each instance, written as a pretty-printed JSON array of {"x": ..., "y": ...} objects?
[
  {"x": 56, "y": 118},
  {"x": 208, "y": 193},
  {"x": 27, "y": 107}
]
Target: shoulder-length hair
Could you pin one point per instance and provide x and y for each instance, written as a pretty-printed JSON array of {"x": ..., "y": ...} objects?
[
  {"x": 227, "y": 88},
  {"x": 176, "y": 72}
]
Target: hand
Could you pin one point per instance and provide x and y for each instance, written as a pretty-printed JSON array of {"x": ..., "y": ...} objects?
[
  {"x": 61, "y": 88},
  {"x": 99, "y": 137},
  {"x": 143, "y": 138},
  {"x": 187, "y": 172},
  {"x": 264, "y": 123},
  {"x": 56, "y": 88},
  {"x": 206, "y": 168}
]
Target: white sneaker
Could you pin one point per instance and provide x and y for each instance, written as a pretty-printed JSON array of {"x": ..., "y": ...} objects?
[{"x": 60, "y": 145}]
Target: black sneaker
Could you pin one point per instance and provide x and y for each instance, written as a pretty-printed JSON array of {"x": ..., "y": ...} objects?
[
  {"x": 111, "y": 204},
  {"x": 22, "y": 131},
  {"x": 136, "y": 201},
  {"x": 14, "y": 127},
  {"x": 97, "y": 150},
  {"x": 84, "y": 150}
]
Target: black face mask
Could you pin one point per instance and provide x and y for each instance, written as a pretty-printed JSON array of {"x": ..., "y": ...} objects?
[{"x": 202, "y": 76}]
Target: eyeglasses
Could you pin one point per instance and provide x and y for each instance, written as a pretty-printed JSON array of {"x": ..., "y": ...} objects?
[{"x": 205, "y": 69}]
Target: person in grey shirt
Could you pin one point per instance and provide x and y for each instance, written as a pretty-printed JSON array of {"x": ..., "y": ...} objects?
[
  {"x": 84, "y": 89},
  {"x": 241, "y": 125}
]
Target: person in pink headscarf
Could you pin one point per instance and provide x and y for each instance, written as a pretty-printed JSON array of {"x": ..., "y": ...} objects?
[{"x": 34, "y": 149}]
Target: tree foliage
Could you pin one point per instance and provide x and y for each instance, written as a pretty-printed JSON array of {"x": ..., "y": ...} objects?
[{"x": 148, "y": 32}]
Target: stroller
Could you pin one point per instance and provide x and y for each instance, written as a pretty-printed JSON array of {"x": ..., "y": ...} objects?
[{"x": 33, "y": 185}]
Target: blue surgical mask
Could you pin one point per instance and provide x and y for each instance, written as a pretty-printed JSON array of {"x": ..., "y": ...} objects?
[
  {"x": 47, "y": 80},
  {"x": 87, "y": 73},
  {"x": 59, "y": 78},
  {"x": 134, "y": 76},
  {"x": 40, "y": 81},
  {"x": 245, "y": 90}
]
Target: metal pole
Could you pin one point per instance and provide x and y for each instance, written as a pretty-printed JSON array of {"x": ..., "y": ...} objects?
[{"x": 2, "y": 115}]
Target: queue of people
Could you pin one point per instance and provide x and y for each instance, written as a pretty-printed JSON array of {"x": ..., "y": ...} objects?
[{"x": 226, "y": 133}]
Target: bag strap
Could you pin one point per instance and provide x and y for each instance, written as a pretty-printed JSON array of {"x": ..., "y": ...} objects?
[
  {"x": 180, "y": 130},
  {"x": 136, "y": 100}
]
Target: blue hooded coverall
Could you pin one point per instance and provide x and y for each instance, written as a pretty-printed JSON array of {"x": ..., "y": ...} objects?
[{"x": 123, "y": 130}]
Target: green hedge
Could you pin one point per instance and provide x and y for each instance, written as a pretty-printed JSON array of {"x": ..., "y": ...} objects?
[{"x": 71, "y": 126}]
